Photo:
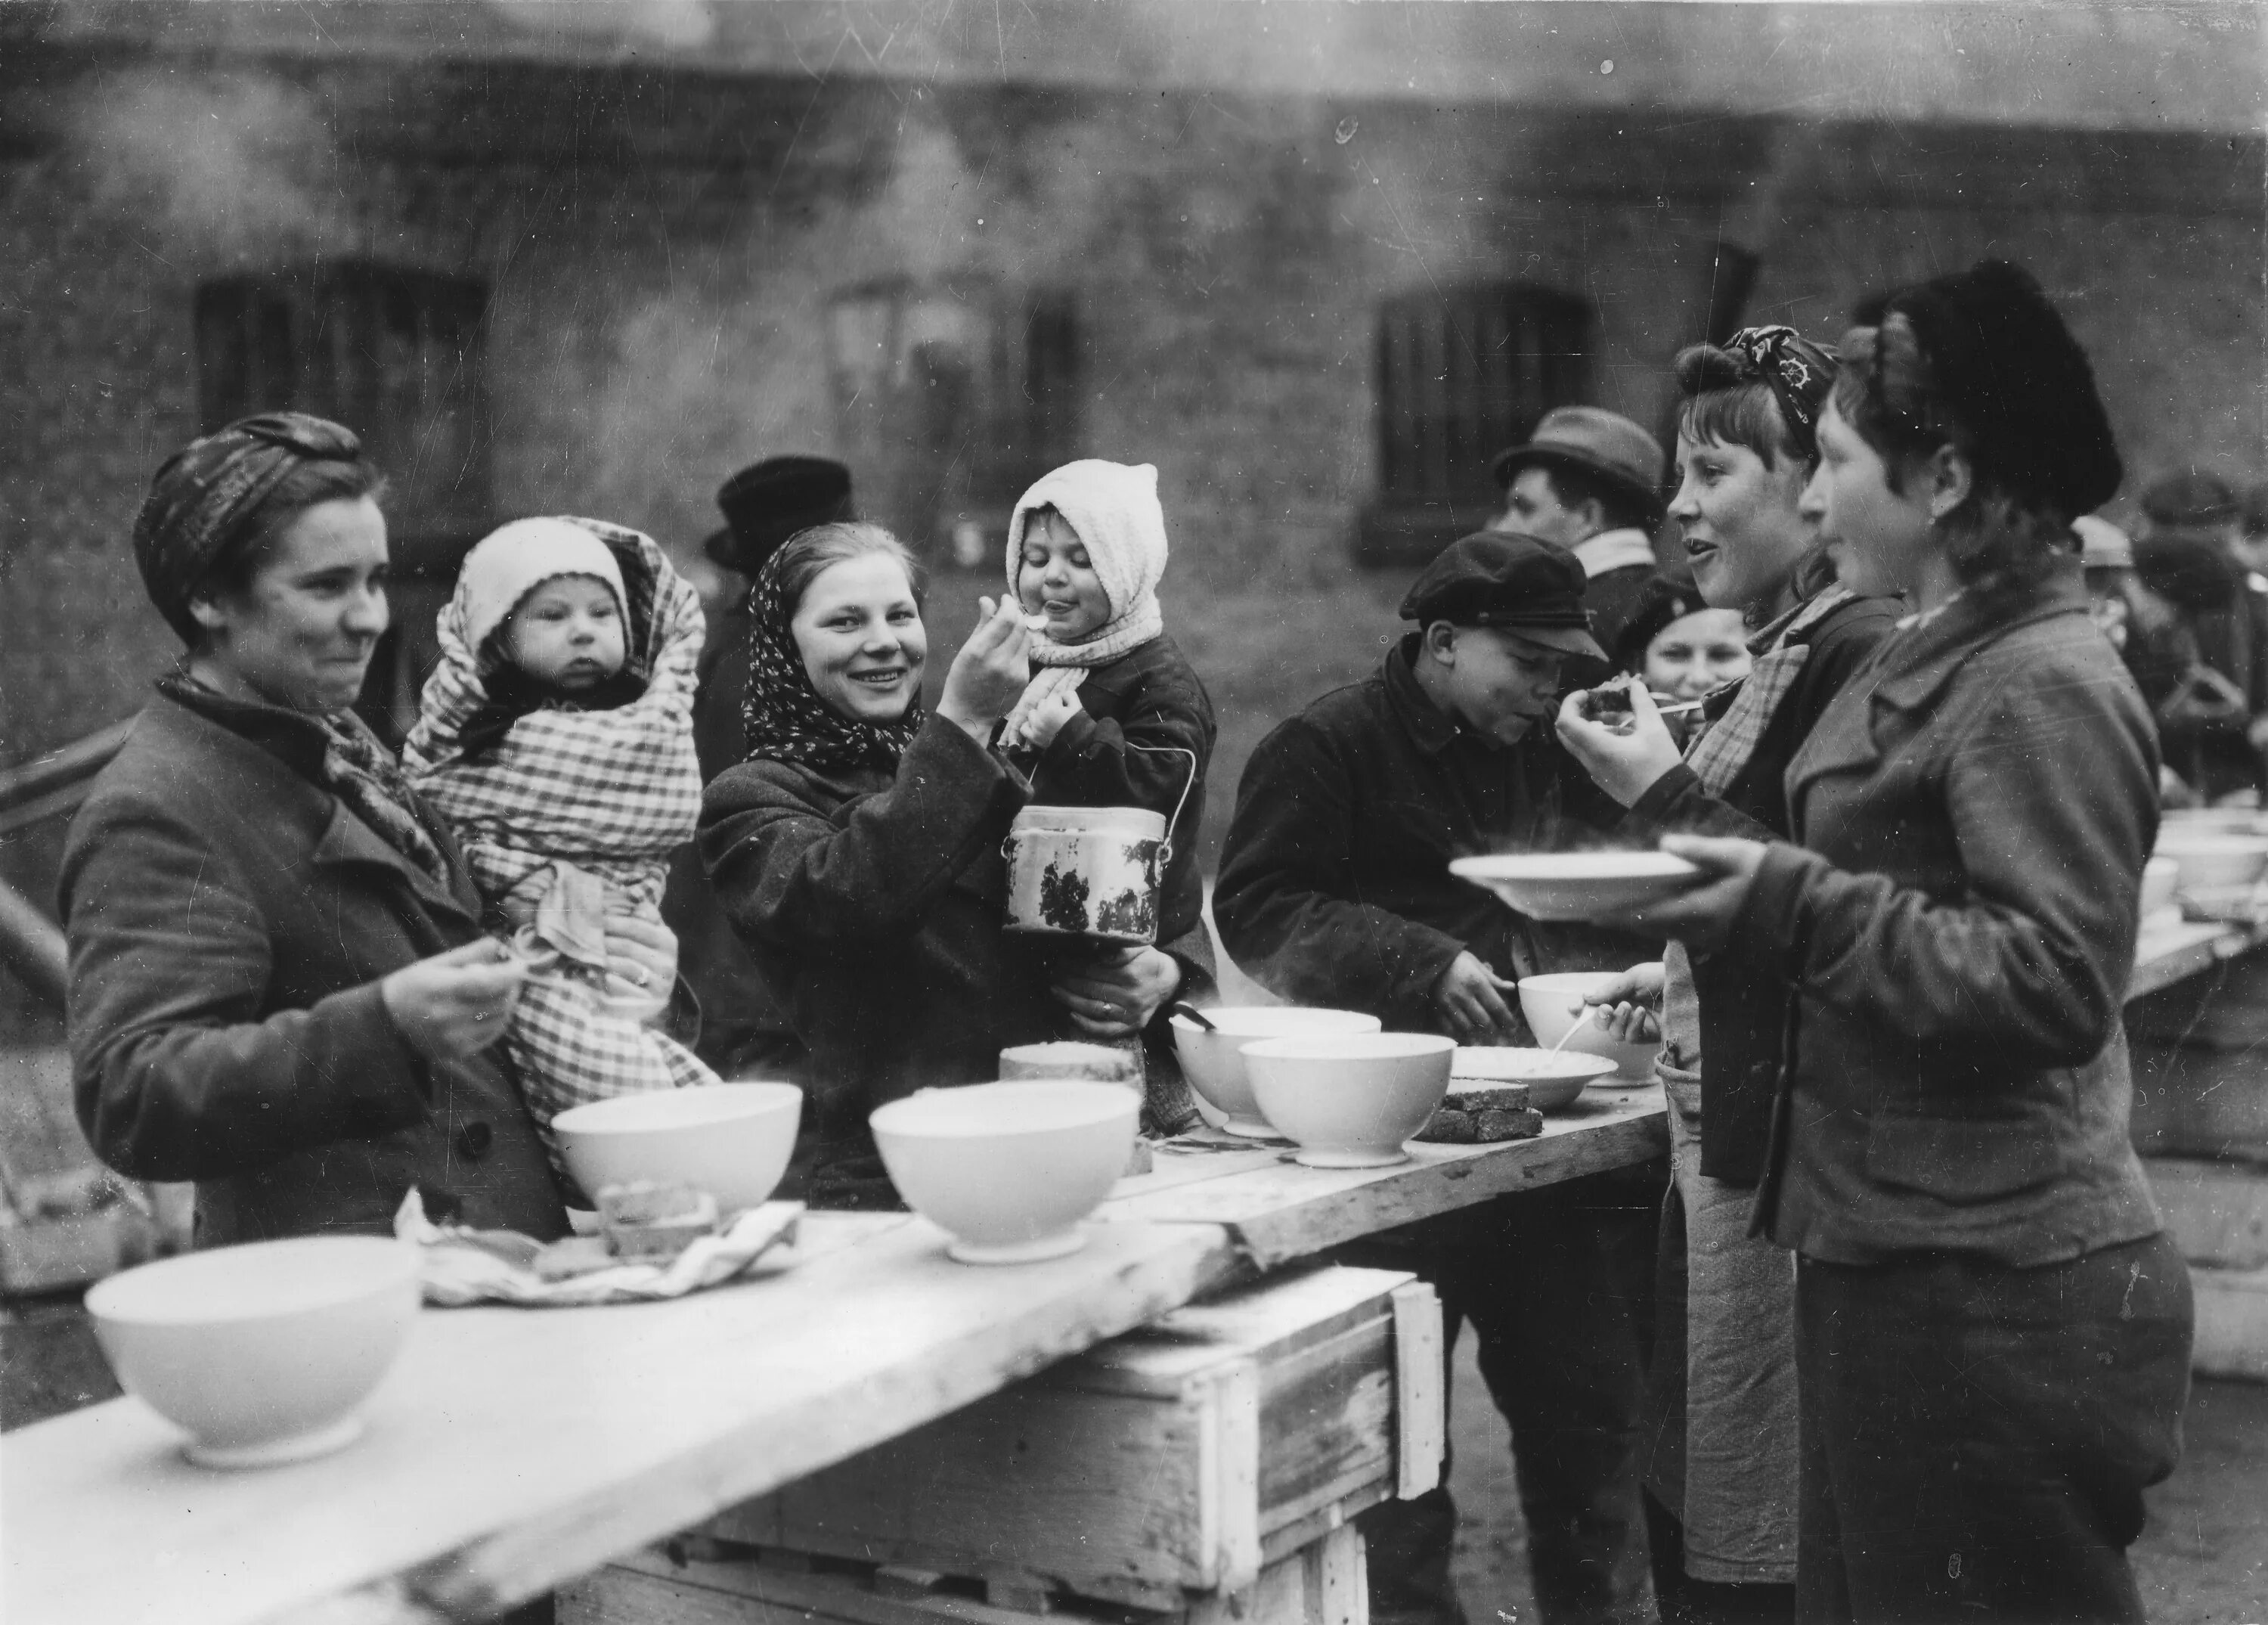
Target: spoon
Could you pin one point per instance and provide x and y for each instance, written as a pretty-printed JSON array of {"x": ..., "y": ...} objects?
[
  {"x": 1193, "y": 1013},
  {"x": 1581, "y": 1022}
]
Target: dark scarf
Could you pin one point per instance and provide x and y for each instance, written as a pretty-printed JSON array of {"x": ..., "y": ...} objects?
[
  {"x": 784, "y": 718},
  {"x": 512, "y": 694},
  {"x": 352, "y": 764}
]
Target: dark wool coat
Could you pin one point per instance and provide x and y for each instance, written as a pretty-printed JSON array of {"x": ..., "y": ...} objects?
[
  {"x": 1744, "y": 1015},
  {"x": 875, "y": 904},
  {"x": 230, "y": 922},
  {"x": 1335, "y": 887},
  {"x": 1975, "y": 808},
  {"x": 1123, "y": 747}
]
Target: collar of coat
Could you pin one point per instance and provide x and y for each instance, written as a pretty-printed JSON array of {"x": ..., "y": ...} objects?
[
  {"x": 1433, "y": 729},
  {"x": 1916, "y": 662},
  {"x": 1614, "y": 550}
]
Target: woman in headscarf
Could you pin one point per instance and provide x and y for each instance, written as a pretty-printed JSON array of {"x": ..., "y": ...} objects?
[
  {"x": 1992, "y": 1332},
  {"x": 279, "y": 985},
  {"x": 1720, "y": 1477},
  {"x": 857, "y": 852}
]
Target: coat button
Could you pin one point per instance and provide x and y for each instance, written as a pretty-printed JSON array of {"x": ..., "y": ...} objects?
[{"x": 473, "y": 1141}]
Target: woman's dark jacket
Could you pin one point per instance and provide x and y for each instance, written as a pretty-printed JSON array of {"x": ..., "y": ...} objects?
[
  {"x": 875, "y": 904},
  {"x": 1973, "y": 811},
  {"x": 1124, "y": 748},
  {"x": 1744, "y": 1015},
  {"x": 230, "y": 922}
]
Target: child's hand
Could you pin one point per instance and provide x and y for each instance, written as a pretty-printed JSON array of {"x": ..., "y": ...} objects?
[{"x": 1048, "y": 718}]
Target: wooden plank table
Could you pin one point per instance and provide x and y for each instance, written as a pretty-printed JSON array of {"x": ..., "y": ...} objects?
[
  {"x": 511, "y": 1449},
  {"x": 1278, "y": 1211},
  {"x": 2176, "y": 953}
]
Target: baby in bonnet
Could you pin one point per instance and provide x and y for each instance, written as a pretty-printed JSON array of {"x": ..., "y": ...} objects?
[{"x": 556, "y": 738}]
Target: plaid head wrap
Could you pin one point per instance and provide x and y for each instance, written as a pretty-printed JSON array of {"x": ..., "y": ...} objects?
[
  {"x": 1800, "y": 374},
  {"x": 204, "y": 496},
  {"x": 784, "y": 718}
]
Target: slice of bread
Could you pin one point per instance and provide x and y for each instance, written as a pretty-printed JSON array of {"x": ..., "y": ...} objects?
[{"x": 652, "y": 1222}]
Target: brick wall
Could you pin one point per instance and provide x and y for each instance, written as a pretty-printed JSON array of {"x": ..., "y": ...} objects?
[{"x": 661, "y": 248}]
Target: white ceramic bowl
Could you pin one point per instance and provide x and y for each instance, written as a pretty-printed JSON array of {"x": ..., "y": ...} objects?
[
  {"x": 1578, "y": 885},
  {"x": 2208, "y": 861},
  {"x": 2160, "y": 877},
  {"x": 1350, "y": 1099},
  {"x": 1213, "y": 1062},
  {"x": 261, "y": 1352},
  {"x": 1554, "y": 1078},
  {"x": 1009, "y": 1169},
  {"x": 730, "y": 1140},
  {"x": 1545, "y": 1000}
]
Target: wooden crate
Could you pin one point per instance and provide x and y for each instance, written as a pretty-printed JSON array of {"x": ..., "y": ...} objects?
[
  {"x": 1180, "y": 1459},
  {"x": 1322, "y": 1584}
]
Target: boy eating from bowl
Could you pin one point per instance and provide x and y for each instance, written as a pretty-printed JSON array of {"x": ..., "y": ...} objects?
[{"x": 1335, "y": 891}]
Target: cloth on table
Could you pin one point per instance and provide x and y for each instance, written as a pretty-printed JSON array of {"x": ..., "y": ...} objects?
[
  {"x": 462, "y": 1265},
  {"x": 572, "y": 815}
]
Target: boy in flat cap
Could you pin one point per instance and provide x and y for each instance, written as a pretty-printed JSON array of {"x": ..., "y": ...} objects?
[
  {"x": 1335, "y": 890},
  {"x": 1589, "y": 481}
]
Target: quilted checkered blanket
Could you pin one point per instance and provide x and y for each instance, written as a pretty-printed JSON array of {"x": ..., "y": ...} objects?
[{"x": 573, "y": 815}]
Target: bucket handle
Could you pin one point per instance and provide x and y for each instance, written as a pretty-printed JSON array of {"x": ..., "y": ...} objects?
[
  {"x": 1165, "y": 855},
  {"x": 1165, "y": 851}
]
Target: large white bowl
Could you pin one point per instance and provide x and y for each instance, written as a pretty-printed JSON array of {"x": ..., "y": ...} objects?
[
  {"x": 1213, "y": 1062},
  {"x": 1350, "y": 1099},
  {"x": 261, "y": 1352},
  {"x": 730, "y": 1140},
  {"x": 2161, "y": 877},
  {"x": 1578, "y": 885},
  {"x": 1554, "y": 1078},
  {"x": 1545, "y": 1000},
  {"x": 1009, "y": 1169},
  {"x": 2208, "y": 861}
]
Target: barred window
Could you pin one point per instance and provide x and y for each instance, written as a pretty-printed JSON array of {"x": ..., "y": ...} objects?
[
  {"x": 399, "y": 356},
  {"x": 950, "y": 396},
  {"x": 1462, "y": 373}
]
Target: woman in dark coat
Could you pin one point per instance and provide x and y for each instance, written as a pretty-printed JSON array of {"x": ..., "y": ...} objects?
[
  {"x": 1992, "y": 1332},
  {"x": 858, "y": 852},
  {"x": 1720, "y": 1481},
  {"x": 279, "y": 986}
]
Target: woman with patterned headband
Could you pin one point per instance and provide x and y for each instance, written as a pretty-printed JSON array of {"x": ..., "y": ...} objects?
[
  {"x": 1992, "y": 1329},
  {"x": 279, "y": 985},
  {"x": 1721, "y": 1478}
]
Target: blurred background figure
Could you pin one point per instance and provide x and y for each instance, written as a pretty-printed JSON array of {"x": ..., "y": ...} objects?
[
  {"x": 744, "y": 1030},
  {"x": 2189, "y": 555}
]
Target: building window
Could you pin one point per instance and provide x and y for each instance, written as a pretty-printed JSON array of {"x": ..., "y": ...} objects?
[
  {"x": 399, "y": 356},
  {"x": 950, "y": 396},
  {"x": 1461, "y": 374}
]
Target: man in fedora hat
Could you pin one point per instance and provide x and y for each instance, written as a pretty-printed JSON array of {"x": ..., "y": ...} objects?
[
  {"x": 743, "y": 1026},
  {"x": 1589, "y": 481},
  {"x": 1335, "y": 891}
]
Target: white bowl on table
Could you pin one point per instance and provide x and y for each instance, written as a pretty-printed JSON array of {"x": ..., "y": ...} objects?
[
  {"x": 730, "y": 1140},
  {"x": 2208, "y": 861},
  {"x": 1555, "y": 1078},
  {"x": 1350, "y": 1099},
  {"x": 1545, "y": 1000},
  {"x": 1578, "y": 885},
  {"x": 1008, "y": 1169},
  {"x": 1213, "y": 1062},
  {"x": 263, "y": 1352}
]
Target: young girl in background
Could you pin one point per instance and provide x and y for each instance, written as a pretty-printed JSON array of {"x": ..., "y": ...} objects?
[{"x": 556, "y": 739}]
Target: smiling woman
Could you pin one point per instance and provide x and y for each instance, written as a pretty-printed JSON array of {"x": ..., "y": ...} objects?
[
  {"x": 856, "y": 852},
  {"x": 275, "y": 952}
]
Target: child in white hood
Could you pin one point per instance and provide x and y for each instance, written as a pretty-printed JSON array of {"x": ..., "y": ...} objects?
[
  {"x": 1113, "y": 716},
  {"x": 556, "y": 738}
]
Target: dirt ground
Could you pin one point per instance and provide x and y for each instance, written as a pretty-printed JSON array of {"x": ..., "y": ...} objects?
[{"x": 2202, "y": 1561}]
